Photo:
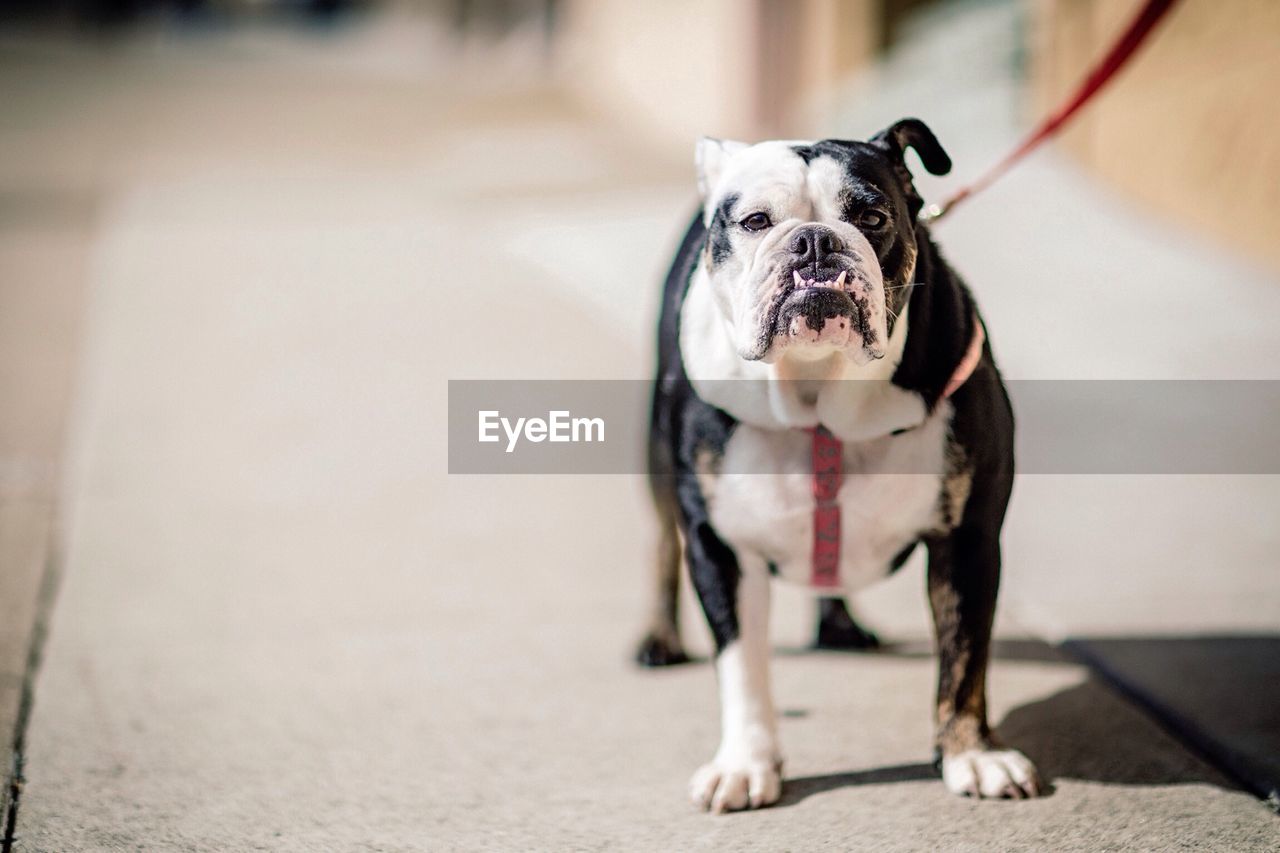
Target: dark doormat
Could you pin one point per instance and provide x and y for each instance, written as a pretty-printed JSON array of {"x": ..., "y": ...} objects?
[{"x": 1219, "y": 694}]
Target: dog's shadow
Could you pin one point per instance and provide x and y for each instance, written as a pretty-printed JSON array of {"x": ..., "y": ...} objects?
[{"x": 1083, "y": 732}]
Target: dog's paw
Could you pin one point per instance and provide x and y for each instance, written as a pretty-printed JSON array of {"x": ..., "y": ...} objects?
[
  {"x": 724, "y": 786},
  {"x": 837, "y": 629},
  {"x": 659, "y": 649},
  {"x": 991, "y": 773},
  {"x": 844, "y": 636}
]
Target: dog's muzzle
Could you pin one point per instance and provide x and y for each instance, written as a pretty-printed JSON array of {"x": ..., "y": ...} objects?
[
  {"x": 825, "y": 300},
  {"x": 817, "y": 312}
]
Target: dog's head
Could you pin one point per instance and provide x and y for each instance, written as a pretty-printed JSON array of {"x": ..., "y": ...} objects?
[{"x": 811, "y": 246}]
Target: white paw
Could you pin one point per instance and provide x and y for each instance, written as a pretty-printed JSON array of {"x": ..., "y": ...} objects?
[
  {"x": 991, "y": 773},
  {"x": 726, "y": 785}
]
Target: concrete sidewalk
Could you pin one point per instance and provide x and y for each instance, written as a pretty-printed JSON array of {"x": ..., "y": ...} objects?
[
  {"x": 283, "y": 626},
  {"x": 45, "y": 236}
]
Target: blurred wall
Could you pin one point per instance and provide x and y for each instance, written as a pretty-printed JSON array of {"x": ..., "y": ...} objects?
[
  {"x": 678, "y": 69},
  {"x": 668, "y": 68},
  {"x": 1191, "y": 127}
]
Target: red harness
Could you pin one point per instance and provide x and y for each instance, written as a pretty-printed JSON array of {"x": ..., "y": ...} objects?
[{"x": 828, "y": 474}]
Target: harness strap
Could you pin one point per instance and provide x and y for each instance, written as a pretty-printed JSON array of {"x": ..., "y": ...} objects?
[{"x": 828, "y": 474}]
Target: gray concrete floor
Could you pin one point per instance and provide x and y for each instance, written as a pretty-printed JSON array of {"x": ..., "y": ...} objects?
[{"x": 283, "y": 626}]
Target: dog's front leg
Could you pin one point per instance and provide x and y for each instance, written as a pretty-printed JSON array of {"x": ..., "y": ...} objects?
[
  {"x": 964, "y": 575},
  {"x": 747, "y": 769}
]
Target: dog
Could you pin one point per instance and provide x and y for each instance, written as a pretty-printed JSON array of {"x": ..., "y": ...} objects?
[{"x": 826, "y": 400}]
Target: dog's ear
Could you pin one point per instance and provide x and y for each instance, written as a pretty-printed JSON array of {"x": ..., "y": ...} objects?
[
  {"x": 913, "y": 133},
  {"x": 711, "y": 156}
]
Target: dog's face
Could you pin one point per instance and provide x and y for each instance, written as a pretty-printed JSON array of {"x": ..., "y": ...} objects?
[{"x": 811, "y": 246}]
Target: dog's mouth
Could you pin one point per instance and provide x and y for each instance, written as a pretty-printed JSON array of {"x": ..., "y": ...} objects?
[
  {"x": 816, "y": 316},
  {"x": 799, "y": 282}
]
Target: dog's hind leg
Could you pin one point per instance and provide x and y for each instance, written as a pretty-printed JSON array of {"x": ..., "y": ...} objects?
[{"x": 661, "y": 645}]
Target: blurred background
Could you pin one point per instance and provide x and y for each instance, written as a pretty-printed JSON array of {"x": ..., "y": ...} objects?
[{"x": 243, "y": 245}]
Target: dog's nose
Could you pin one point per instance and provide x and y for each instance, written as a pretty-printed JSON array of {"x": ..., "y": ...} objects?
[{"x": 811, "y": 244}]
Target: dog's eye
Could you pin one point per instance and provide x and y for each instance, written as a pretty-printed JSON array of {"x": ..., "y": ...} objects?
[
  {"x": 872, "y": 219},
  {"x": 756, "y": 222}
]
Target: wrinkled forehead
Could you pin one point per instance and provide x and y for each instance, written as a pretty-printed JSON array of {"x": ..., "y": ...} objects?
[{"x": 794, "y": 176}]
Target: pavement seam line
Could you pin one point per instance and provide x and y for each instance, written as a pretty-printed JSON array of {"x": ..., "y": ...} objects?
[{"x": 50, "y": 578}]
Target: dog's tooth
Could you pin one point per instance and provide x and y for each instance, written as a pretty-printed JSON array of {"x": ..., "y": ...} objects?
[
  {"x": 799, "y": 281},
  {"x": 840, "y": 280}
]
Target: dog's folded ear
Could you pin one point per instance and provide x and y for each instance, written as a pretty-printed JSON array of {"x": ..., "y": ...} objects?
[
  {"x": 711, "y": 156},
  {"x": 913, "y": 133}
]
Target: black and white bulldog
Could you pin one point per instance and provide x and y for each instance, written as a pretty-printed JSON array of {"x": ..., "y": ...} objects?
[{"x": 809, "y": 321}]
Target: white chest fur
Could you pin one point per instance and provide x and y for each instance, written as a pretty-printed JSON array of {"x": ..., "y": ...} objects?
[{"x": 893, "y": 491}]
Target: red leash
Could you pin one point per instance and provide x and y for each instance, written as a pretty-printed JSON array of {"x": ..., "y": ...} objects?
[{"x": 1119, "y": 55}]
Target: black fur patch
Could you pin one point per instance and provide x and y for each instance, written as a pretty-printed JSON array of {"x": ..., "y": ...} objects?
[
  {"x": 718, "y": 246},
  {"x": 713, "y": 566},
  {"x": 683, "y": 427},
  {"x": 805, "y": 152}
]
